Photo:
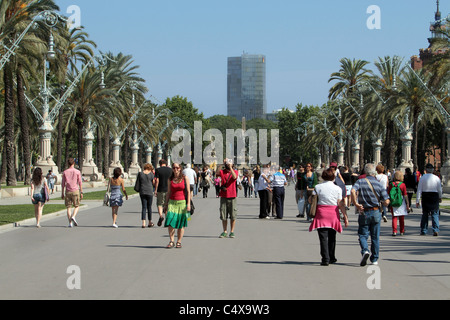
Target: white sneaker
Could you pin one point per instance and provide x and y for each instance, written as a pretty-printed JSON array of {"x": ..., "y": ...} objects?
[
  {"x": 375, "y": 263},
  {"x": 364, "y": 258},
  {"x": 70, "y": 224},
  {"x": 75, "y": 223},
  {"x": 115, "y": 225}
]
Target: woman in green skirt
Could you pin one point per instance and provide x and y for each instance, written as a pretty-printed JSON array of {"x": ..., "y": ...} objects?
[{"x": 177, "y": 206}]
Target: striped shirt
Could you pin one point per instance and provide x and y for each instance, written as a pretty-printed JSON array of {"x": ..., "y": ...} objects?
[
  {"x": 366, "y": 197},
  {"x": 278, "y": 180}
]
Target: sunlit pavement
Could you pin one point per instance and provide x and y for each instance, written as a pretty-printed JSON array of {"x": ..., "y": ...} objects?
[{"x": 268, "y": 259}]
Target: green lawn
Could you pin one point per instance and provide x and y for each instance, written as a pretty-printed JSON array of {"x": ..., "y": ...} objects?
[
  {"x": 99, "y": 195},
  {"x": 16, "y": 213},
  {"x": 19, "y": 185}
]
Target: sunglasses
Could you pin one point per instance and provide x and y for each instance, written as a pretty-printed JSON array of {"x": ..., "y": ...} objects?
[{"x": 175, "y": 168}]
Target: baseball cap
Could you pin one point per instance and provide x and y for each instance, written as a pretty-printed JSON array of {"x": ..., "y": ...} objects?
[{"x": 333, "y": 164}]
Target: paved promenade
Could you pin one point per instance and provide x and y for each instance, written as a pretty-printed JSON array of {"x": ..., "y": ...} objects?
[{"x": 268, "y": 259}]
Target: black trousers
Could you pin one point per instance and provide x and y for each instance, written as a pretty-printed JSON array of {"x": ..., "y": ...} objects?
[
  {"x": 146, "y": 202},
  {"x": 278, "y": 199},
  {"x": 327, "y": 238},
  {"x": 263, "y": 203}
]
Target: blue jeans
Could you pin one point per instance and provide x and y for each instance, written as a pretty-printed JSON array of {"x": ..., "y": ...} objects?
[
  {"x": 369, "y": 225},
  {"x": 434, "y": 221},
  {"x": 38, "y": 198}
]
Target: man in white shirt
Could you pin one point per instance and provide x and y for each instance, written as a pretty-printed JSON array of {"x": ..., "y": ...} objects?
[
  {"x": 192, "y": 176},
  {"x": 278, "y": 181},
  {"x": 263, "y": 192},
  {"x": 430, "y": 191}
]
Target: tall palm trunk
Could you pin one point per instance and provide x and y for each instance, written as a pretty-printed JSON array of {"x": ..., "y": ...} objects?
[
  {"x": 126, "y": 152},
  {"x": 444, "y": 148},
  {"x": 416, "y": 112},
  {"x": 106, "y": 153},
  {"x": 3, "y": 172},
  {"x": 362, "y": 148},
  {"x": 389, "y": 145},
  {"x": 59, "y": 141},
  {"x": 99, "y": 150},
  {"x": 67, "y": 150},
  {"x": 80, "y": 144},
  {"x": 24, "y": 126},
  {"x": 11, "y": 179}
]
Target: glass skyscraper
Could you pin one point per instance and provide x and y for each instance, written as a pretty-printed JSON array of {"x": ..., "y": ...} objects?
[{"x": 247, "y": 86}]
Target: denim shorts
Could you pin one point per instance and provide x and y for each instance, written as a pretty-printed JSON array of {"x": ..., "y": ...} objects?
[{"x": 38, "y": 197}]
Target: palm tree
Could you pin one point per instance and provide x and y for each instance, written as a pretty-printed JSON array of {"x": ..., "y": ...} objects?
[
  {"x": 351, "y": 74},
  {"x": 91, "y": 102},
  {"x": 14, "y": 16},
  {"x": 77, "y": 48},
  {"x": 9, "y": 126},
  {"x": 30, "y": 53},
  {"x": 386, "y": 107},
  {"x": 88, "y": 97},
  {"x": 412, "y": 96}
]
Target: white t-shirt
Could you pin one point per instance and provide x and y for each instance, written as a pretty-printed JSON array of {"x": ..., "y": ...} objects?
[
  {"x": 38, "y": 188},
  {"x": 190, "y": 174},
  {"x": 329, "y": 194},
  {"x": 383, "y": 179},
  {"x": 429, "y": 183}
]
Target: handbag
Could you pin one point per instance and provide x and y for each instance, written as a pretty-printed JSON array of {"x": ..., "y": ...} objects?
[
  {"x": 137, "y": 184},
  {"x": 301, "y": 205},
  {"x": 46, "y": 195},
  {"x": 107, "y": 196},
  {"x": 314, "y": 199},
  {"x": 186, "y": 198}
]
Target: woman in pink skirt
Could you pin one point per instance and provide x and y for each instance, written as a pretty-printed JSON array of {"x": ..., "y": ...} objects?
[{"x": 327, "y": 220}]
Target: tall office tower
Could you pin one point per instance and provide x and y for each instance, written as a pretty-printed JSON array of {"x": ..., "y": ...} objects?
[{"x": 247, "y": 86}]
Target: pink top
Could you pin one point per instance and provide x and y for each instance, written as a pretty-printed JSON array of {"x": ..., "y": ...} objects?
[
  {"x": 71, "y": 180},
  {"x": 177, "y": 190},
  {"x": 326, "y": 217}
]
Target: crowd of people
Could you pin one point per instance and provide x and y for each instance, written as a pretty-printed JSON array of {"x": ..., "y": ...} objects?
[{"x": 324, "y": 197}]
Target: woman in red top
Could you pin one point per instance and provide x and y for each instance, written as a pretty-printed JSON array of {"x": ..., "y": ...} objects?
[
  {"x": 400, "y": 212},
  {"x": 177, "y": 207}
]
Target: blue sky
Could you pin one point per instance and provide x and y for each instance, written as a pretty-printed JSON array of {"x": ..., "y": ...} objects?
[{"x": 182, "y": 46}]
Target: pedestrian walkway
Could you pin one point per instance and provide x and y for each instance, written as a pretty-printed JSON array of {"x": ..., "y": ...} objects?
[{"x": 268, "y": 259}]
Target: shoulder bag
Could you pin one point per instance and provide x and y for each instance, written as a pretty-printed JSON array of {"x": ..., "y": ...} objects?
[
  {"x": 376, "y": 195},
  {"x": 137, "y": 184},
  {"x": 46, "y": 195},
  {"x": 186, "y": 198},
  {"x": 107, "y": 196},
  {"x": 313, "y": 199}
]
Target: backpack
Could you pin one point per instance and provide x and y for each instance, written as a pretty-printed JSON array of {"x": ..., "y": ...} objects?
[{"x": 395, "y": 195}]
